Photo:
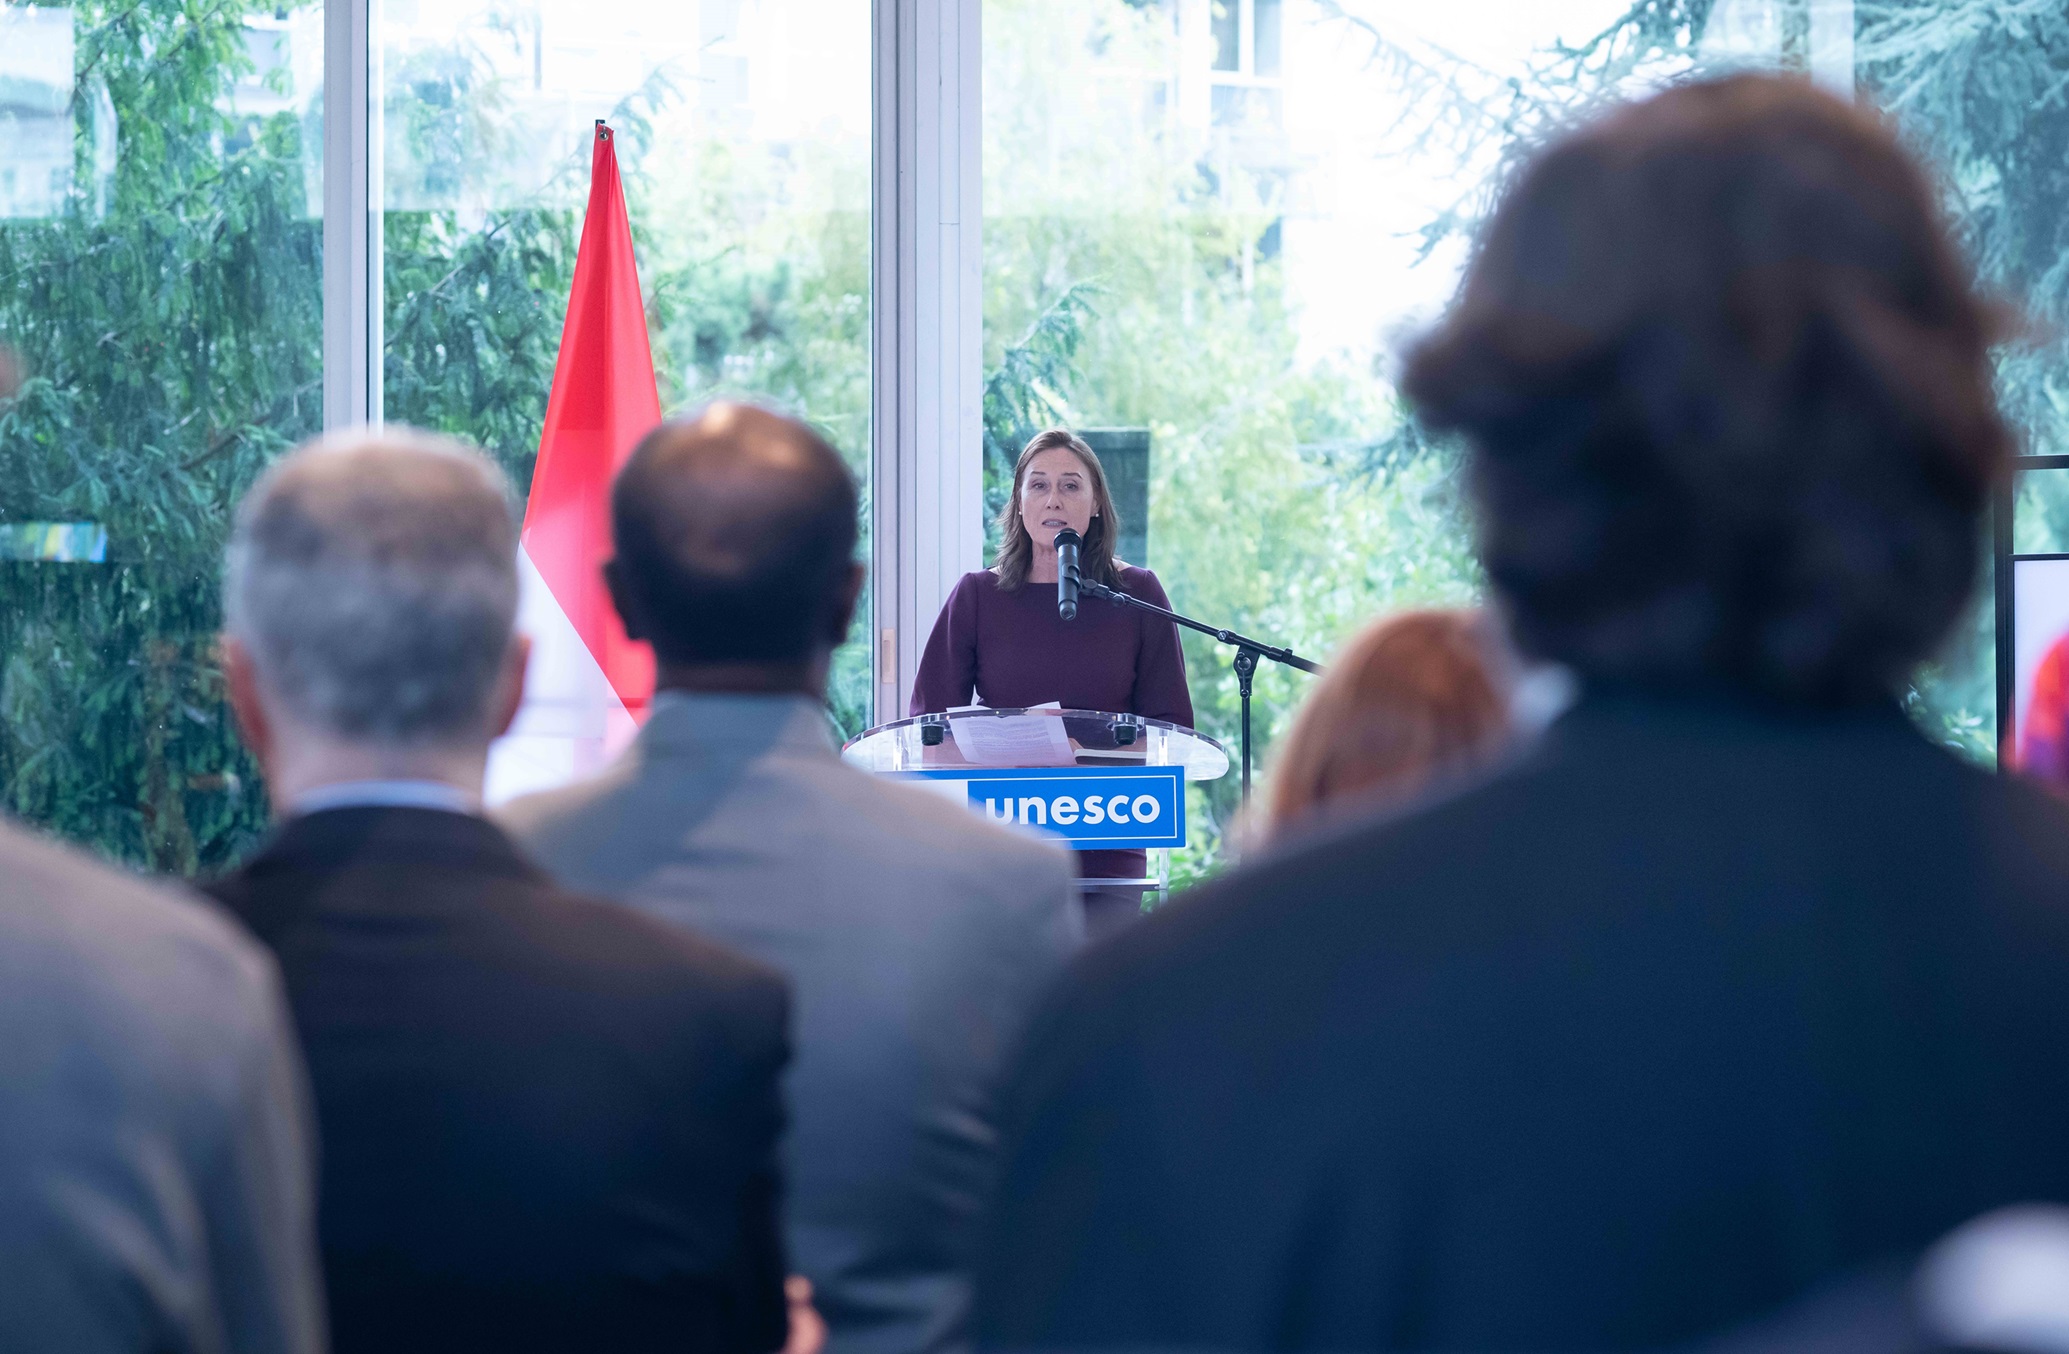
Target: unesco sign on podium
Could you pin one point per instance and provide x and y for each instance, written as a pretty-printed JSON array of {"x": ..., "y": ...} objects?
[
  {"x": 1098, "y": 780},
  {"x": 1089, "y": 807}
]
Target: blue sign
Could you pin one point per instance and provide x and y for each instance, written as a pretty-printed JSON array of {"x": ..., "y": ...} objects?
[{"x": 1089, "y": 807}]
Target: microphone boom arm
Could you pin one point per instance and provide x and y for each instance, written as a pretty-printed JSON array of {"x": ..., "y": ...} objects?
[
  {"x": 1248, "y": 651},
  {"x": 1276, "y": 653}
]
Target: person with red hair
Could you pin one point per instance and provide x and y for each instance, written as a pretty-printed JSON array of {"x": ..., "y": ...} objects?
[{"x": 1412, "y": 700}]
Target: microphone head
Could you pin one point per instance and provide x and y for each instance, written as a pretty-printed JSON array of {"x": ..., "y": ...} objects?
[
  {"x": 1067, "y": 610},
  {"x": 1068, "y": 537}
]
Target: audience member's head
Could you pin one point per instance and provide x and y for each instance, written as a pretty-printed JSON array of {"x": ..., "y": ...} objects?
[
  {"x": 369, "y": 599},
  {"x": 1727, "y": 384},
  {"x": 1410, "y": 700},
  {"x": 735, "y": 538}
]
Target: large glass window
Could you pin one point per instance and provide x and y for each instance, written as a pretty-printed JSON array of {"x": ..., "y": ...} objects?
[
  {"x": 743, "y": 133},
  {"x": 1210, "y": 223},
  {"x": 160, "y": 286}
]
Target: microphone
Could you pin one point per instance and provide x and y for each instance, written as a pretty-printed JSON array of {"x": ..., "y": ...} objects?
[{"x": 1067, "y": 576}]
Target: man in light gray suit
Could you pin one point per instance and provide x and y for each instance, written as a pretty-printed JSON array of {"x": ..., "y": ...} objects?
[
  {"x": 916, "y": 936},
  {"x": 156, "y": 1188}
]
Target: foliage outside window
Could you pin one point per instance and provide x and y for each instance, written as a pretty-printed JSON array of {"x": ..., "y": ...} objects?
[
  {"x": 166, "y": 302},
  {"x": 160, "y": 277},
  {"x": 166, "y": 305}
]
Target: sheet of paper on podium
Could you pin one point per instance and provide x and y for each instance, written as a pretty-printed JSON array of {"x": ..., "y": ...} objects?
[{"x": 1032, "y": 739}]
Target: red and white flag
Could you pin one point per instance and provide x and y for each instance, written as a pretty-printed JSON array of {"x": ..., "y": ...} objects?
[{"x": 589, "y": 685}]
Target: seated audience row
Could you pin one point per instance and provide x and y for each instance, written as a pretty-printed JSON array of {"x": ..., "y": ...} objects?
[{"x": 1729, "y": 986}]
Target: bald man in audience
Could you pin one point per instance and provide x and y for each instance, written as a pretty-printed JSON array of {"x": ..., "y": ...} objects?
[{"x": 916, "y": 936}]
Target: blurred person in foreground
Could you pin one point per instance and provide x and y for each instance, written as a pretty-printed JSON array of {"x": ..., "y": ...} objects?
[
  {"x": 548, "y": 1123},
  {"x": 156, "y": 1180},
  {"x": 1412, "y": 702},
  {"x": 916, "y": 935},
  {"x": 1735, "y": 981},
  {"x": 157, "y": 1185}
]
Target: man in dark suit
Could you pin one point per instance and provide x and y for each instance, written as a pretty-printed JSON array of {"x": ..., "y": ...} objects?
[
  {"x": 547, "y": 1123},
  {"x": 1735, "y": 983}
]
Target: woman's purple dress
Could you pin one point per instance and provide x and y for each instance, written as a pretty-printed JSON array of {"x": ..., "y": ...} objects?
[{"x": 1007, "y": 649}]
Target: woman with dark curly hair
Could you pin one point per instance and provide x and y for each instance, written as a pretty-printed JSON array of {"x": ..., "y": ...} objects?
[{"x": 1734, "y": 982}]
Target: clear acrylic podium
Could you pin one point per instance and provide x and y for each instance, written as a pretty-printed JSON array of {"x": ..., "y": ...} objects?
[{"x": 1096, "y": 780}]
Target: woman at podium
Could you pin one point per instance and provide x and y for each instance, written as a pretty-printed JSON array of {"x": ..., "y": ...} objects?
[{"x": 1000, "y": 640}]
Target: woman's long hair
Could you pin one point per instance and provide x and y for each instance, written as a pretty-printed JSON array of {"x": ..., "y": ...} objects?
[
  {"x": 1096, "y": 555},
  {"x": 1410, "y": 700}
]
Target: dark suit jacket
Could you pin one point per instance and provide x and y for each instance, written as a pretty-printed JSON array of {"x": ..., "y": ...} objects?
[
  {"x": 547, "y": 1123},
  {"x": 1696, "y": 1006}
]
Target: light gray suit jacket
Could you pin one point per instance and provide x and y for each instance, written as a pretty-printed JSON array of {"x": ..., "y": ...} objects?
[
  {"x": 156, "y": 1187},
  {"x": 917, "y": 938}
]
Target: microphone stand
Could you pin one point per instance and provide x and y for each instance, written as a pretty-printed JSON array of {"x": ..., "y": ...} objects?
[{"x": 1248, "y": 651}]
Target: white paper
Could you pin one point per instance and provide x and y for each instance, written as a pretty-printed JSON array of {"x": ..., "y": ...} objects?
[{"x": 1014, "y": 740}]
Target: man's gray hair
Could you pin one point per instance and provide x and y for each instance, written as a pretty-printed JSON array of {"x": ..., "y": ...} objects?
[{"x": 372, "y": 576}]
